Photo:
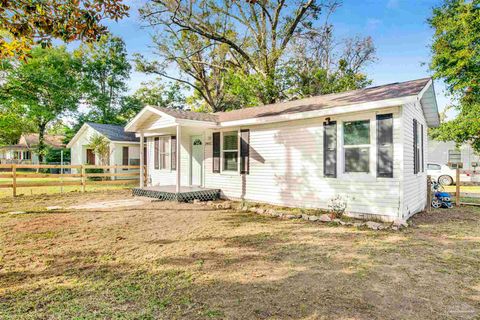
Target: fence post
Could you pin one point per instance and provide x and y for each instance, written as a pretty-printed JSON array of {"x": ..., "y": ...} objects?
[
  {"x": 14, "y": 179},
  {"x": 429, "y": 193},
  {"x": 457, "y": 187},
  {"x": 84, "y": 181}
]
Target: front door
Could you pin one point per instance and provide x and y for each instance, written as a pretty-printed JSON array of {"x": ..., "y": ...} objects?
[{"x": 196, "y": 160}]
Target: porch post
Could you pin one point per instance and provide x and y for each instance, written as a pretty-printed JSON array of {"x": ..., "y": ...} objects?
[
  {"x": 179, "y": 139},
  {"x": 142, "y": 168}
]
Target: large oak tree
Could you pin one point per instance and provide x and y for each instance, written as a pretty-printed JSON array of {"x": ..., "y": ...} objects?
[
  {"x": 456, "y": 60},
  {"x": 32, "y": 22}
]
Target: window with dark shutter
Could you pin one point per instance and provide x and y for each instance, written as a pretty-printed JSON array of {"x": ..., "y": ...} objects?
[
  {"x": 385, "y": 145},
  {"x": 156, "y": 152},
  {"x": 421, "y": 150},
  {"x": 125, "y": 156},
  {"x": 330, "y": 149},
  {"x": 173, "y": 151},
  {"x": 245, "y": 151},
  {"x": 216, "y": 152},
  {"x": 415, "y": 146}
]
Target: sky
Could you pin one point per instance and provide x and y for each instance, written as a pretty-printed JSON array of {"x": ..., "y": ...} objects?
[{"x": 399, "y": 30}]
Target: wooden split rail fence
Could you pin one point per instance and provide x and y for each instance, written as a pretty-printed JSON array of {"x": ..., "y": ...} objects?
[{"x": 80, "y": 178}]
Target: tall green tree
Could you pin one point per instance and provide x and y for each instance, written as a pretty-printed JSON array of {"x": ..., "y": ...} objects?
[
  {"x": 44, "y": 88},
  {"x": 32, "y": 22},
  {"x": 105, "y": 72},
  {"x": 456, "y": 60},
  {"x": 155, "y": 93},
  {"x": 241, "y": 53}
]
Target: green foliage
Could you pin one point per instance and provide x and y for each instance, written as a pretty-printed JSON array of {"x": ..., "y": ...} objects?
[
  {"x": 105, "y": 72},
  {"x": 101, "y": 147},
  {"x": 43, "y": 89},
  {"x": 154, "y": 93},
  {"x": 456, "y": 60},
  {"x": 237, "y": 54},
  {"x": 27, "y": 22},
  {"x": 55, "y": 155}
]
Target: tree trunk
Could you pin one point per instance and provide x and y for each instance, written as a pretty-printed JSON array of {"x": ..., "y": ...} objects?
[{"x": 41, "y": 142}]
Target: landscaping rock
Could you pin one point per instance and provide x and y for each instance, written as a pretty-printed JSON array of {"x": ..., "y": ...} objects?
[
  {"x": 252, "y": 210},
  {"x": 313, "y": 218},
  {"x": 358, "y": 224},
  {"x": 305, "y": 216},
  {"x": 197, "y": 201},
  {"x": 290, "y": 216},
  {"x": 325, "y": 218},
  {"x": 53, "y": 208},
  {"x": 400, "y": 224},
  {"x": 227, "y": 205},
  {"x": 17, "y": 212},
  {"x": 270, "y": 212},
  {"x": 374, "y": 225},
  {"x": 338, "y": 221},
  {"x": 260, "y": 211}
]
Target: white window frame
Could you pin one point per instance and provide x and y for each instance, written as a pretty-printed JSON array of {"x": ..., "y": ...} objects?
[
  {"x": 222, "y": 164},
  {"x": 369, "y": 146},
  {"x": 362, "y": 176},
  {"x": 166, "y": 154}
]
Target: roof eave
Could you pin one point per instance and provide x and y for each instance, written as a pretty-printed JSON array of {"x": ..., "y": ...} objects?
[{"x": 428, "y": 101}]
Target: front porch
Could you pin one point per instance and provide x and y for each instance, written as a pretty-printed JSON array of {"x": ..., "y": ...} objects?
[{"x": 170, "y": 193}]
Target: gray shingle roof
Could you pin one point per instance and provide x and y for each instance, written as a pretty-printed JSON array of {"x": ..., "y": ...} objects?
[
  {"x": 114, "y": 132},
  {"x": 383, "y": 92},
  {"x": 188, "y": 115}
]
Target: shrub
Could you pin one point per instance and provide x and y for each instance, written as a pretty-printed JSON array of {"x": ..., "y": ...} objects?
[{"x": 337, "y": 205}]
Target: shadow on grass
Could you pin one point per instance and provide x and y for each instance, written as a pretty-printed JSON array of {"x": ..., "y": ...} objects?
[{"x": 256, "y": 268}]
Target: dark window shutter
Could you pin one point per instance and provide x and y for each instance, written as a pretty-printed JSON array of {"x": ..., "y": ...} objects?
[
  {"x": 216, "y": 152},
  {"x": 415, "y": 144},
  {"x": 421, "y": 149},
  {"x": 155, "y": 152},
  {"x": 330, "y": 149},
  {"x": 125, "y": 156},
  {"x": 385, "y": 145},
  {"x": 245, "y": 151},
  {"x": 173, "y": 151}
]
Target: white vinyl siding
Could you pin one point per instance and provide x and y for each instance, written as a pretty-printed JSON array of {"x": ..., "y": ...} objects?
[
  {"x": 414, "y": 193},
  {"x": 286, "y": 168}
]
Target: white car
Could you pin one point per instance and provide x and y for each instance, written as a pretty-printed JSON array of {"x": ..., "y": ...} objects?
[{"x": 441, "y": 173}]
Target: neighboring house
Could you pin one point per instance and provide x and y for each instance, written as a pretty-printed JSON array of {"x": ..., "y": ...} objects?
[
  {"x": 124, "y": 146},
  {"x": 25, "y": 151},
  {"x": 447, "y": 153},
  {"x": 367, "y": 146}
]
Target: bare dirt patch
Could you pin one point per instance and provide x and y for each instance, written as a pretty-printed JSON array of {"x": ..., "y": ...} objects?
[{"x": 164, "y": 260}]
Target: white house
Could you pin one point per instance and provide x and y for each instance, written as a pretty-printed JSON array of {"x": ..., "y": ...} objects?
[
  {"x": 449, "y": 153},
  {"x": 25, "y": 151},
  {"x": 124, "y": 146},
  {"x": 366, "y": 146}
]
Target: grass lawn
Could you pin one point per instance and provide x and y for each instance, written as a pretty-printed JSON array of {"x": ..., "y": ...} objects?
[{"x": 164, "y": 260}]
